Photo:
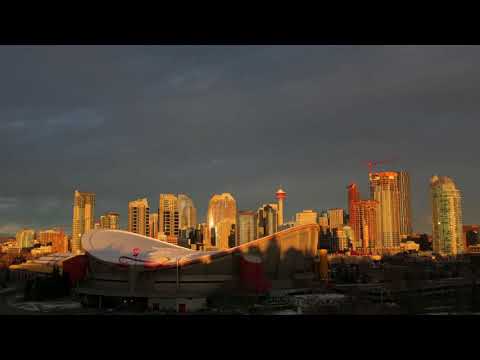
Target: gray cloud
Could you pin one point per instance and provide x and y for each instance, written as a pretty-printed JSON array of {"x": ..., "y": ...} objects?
[{"x": 130, "y": 121}]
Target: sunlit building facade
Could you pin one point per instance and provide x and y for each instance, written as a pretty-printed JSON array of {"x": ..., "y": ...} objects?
[
  {"x": 384, "y": 189},
  {"x": 247, "y": 226},
  {"x": 153, "y": 225},
  {"x": 306, "y": 217},
  {"x": 353, "y": 196},
  {"x": 342, "y": 238},
  {"x": 187, "y": 212},
  {"x": 335, "y": 218},
  {"x": 364, "y": 227},
  {"x": 139, "y": 217},
  {"x": 267, "y": 220},
  {"x": 168, "y": 215},
  {"x": 110, "y": 220},
  {"x": 221, "y": 215},
  {"x": 55, "y": 238},
  {"x": 25, "y": 238},
  {"x": 446, "y": 216},
  {"x": 83, "y": 217}
]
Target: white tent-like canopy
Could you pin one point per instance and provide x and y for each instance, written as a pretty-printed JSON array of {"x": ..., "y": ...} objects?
[{"x": 123, "y": 247}]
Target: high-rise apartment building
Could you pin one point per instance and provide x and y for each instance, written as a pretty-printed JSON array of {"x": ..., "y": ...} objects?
[
  {"x": 247, "y": 226},
  {"x": 168, "y": 215},
  {"x": 405, "y": 204},
  {"x": 342, "y": 238},
  {"x": 55, "y": 238},
  {"x": 335, "y": 218},
  {"x": 365, "y": 230},
  {"x": 187, "y": 212},
  {"x": 446, "y": 216},
  {"x": 139, "y": 217},
  {"x": 25, "y": 238},
  {"x": 353, "y": 196},
  {"x": 153, "y": 225},
  {"x": 110, "y": 220},
  {"x": 221, "y": 215},
  {"x": 306, "y": 217},
  {"x": 83, "y": 217},
  {"x": 384, "y": 189},
  {"x": 267, "y": 217}
]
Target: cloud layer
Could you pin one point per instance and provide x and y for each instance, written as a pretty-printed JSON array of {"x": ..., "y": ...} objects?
[{"x": 131, "y": 121}]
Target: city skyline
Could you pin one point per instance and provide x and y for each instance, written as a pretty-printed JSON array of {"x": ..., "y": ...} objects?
[
  {"x": 291, "y": 213},
  {"x": 226, "y": 113}
]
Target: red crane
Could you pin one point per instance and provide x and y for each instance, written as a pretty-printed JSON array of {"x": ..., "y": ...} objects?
[{"x": 373, "y": 163}]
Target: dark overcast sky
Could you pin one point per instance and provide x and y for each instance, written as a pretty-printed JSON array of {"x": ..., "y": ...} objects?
[{"x": 135, "y": 121}]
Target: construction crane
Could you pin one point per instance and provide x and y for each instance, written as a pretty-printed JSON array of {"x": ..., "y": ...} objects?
[{"x": 371, "y": 164}]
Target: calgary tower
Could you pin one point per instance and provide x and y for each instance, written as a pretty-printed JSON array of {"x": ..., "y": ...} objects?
[{"x": 281, "y": 196}]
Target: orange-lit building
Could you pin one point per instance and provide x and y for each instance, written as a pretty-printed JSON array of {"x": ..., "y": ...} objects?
[
  {"x": 139, "y": 217},
  {"x": 384, "y": 188},
  {"x": 222, "y": 214},
  {"x": 56, "y": 238},
  {"x": 172, "y": 239},
  {"x": 168, "y": 215},
  {"x": 110, "y": 220},
  {"x": 83, "y": 217},
  {"x": 365, "y": 226},
  {"x": 153, "y": 225},
  {"x": 353, "y": 196}
]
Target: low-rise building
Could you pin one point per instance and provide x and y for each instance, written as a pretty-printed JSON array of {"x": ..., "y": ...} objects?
[
  {"x": 306, "y": 217},
  {"x": 42, "y": 250}
]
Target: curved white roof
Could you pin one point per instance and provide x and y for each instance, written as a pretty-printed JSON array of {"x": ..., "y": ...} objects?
[{"x": 123, "y": 247}]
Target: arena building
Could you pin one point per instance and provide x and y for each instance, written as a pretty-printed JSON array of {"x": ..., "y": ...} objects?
[{"x": 123, "y": 266}]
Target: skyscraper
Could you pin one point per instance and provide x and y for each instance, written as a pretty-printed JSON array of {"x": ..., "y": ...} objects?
[
  {"x": 267, "y": 217},
  {"x": 306, "y": 217},
  {"x": 221, "y": 215},
  {"x": 335, "y": 218},
  {"x": 405, "y": 204},
  {"x": 187, "y": 212},
  {"x": 25, "y": 238},
  {"x": 446, "y": 216},
  {"x": 83, "y": 217},
  {"x": 110, "y": 220},
  {"x": 168, "y": 215},
  {"x": 153, "y": 225},
  {"x": 281, "y": 196},
  {"x": 247, "y": 226},
  {"x": 364, "y": 227},
  {"x": 139, "y": 217},
  {"x": 384, "y": 189},
  {"x": 353, "y": 196}
]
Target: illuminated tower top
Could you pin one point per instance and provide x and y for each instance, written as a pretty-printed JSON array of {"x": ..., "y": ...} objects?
[{"x": 280, "y": 194}]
